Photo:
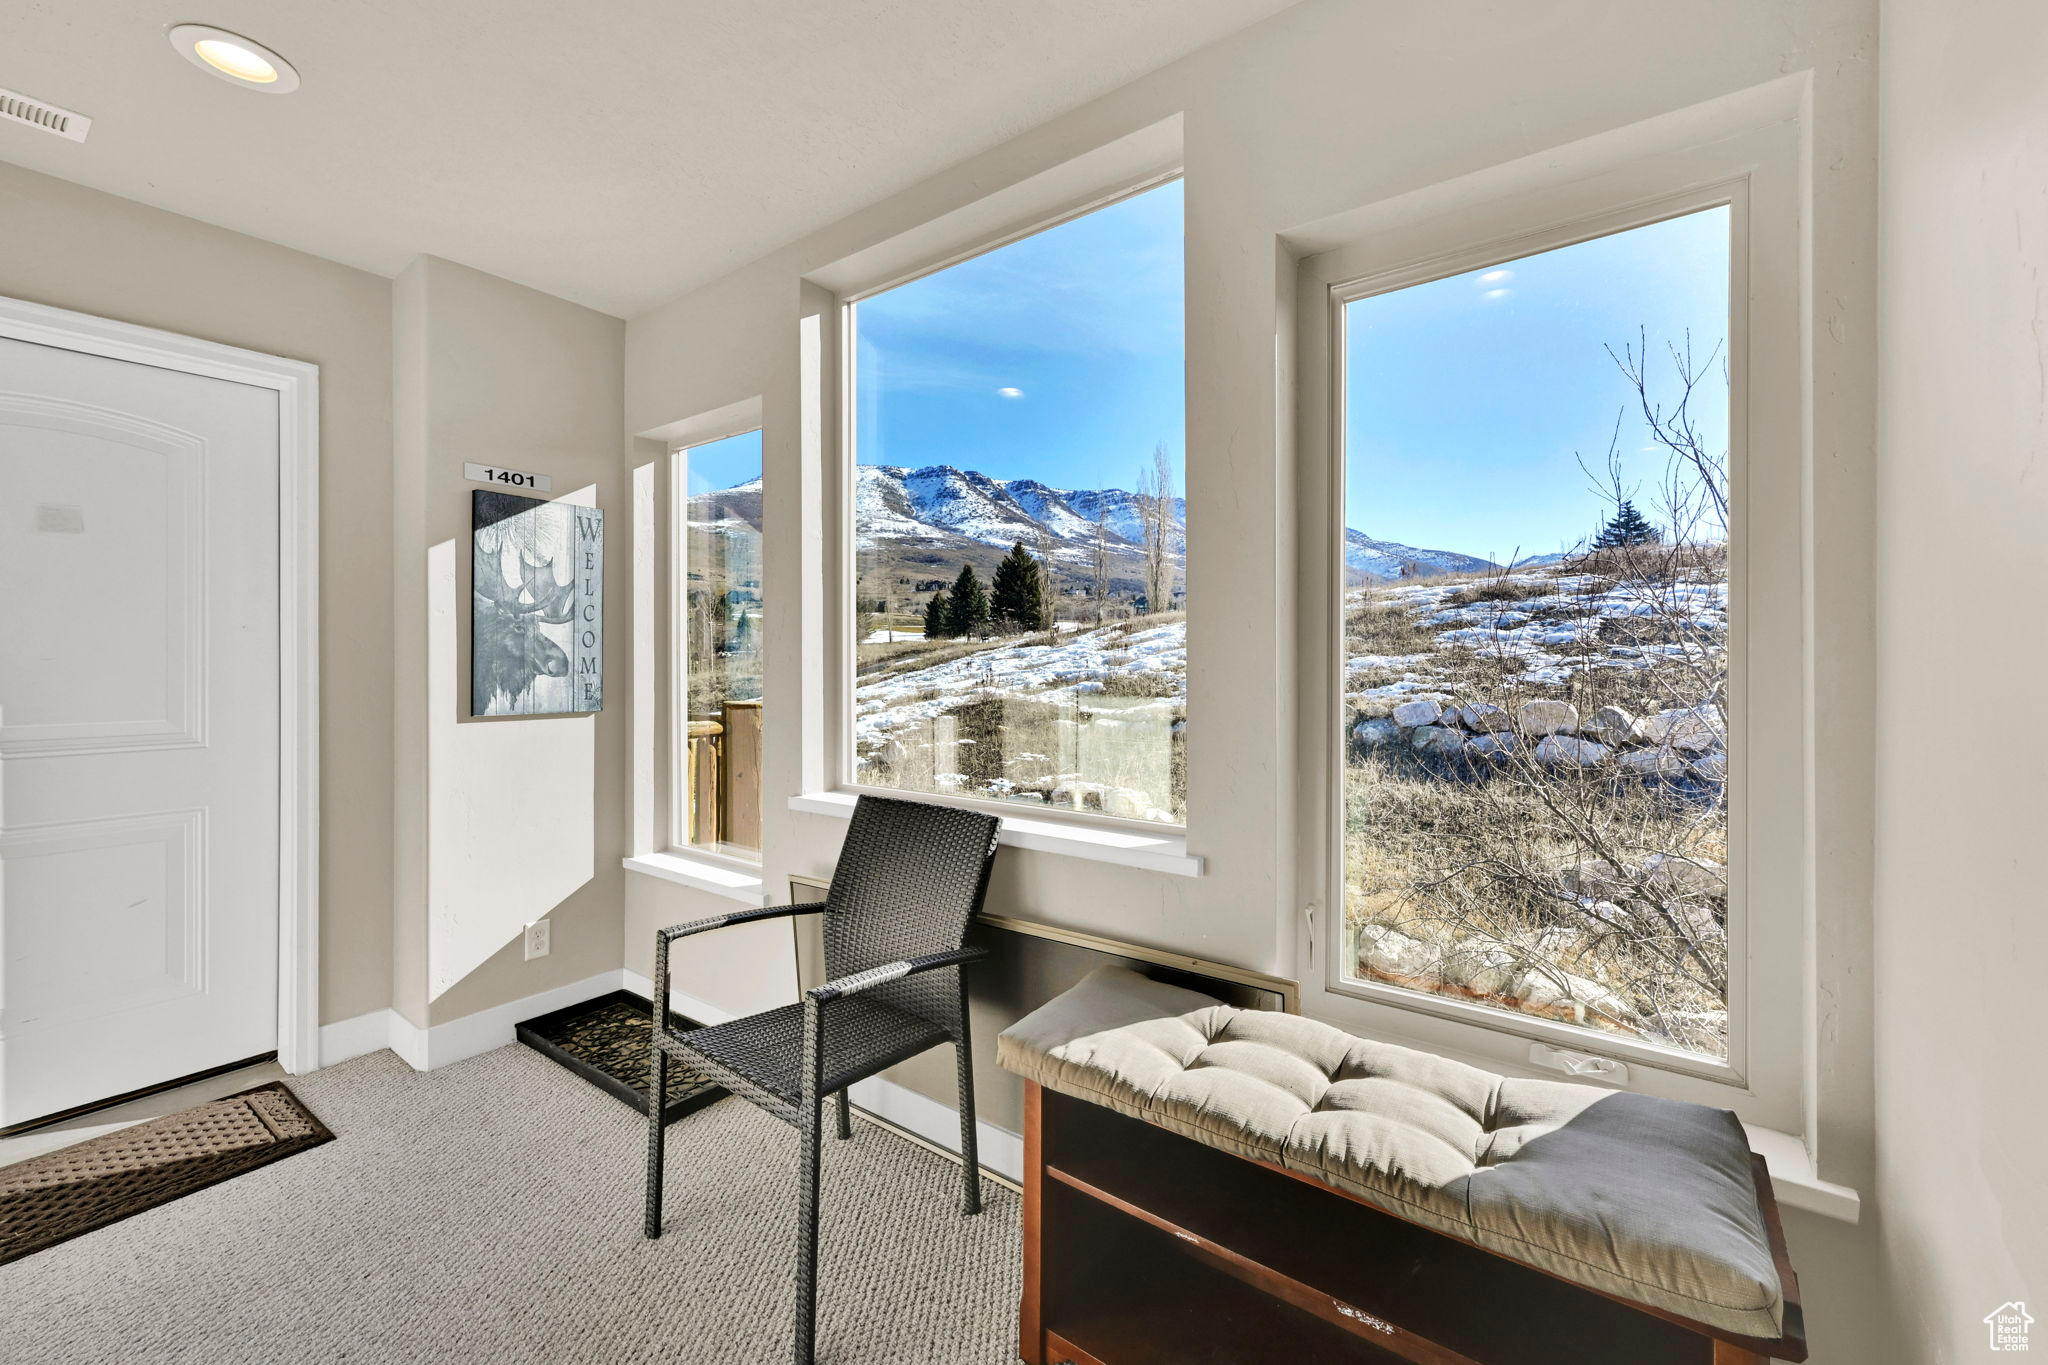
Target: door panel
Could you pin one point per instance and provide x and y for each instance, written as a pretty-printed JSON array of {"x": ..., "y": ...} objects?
[
  {"x": 138, "y": 726},
  {"x": 133, "y": 934},
  {"x": 138, "y": 683}
]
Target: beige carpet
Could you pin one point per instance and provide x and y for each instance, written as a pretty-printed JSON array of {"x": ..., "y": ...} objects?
[{"x": 490, "y": 1211}]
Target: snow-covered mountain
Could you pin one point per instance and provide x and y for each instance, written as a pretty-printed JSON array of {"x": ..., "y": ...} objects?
[
  {"x": 940, "y": 500},
  {"x": 1543, "y": 561},
  {"x": 1387, "y": 559},
  {"x": 930, "y": 510}
]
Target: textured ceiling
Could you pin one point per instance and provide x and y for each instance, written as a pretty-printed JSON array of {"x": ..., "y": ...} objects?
[{"x": 614, "y": 152}]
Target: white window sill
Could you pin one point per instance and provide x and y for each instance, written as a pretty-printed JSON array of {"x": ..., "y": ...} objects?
[
  {"x": 1793, "y": 1178},
  {"x": 1127, "y": 848},
  {"x": 702, "y": 874}
]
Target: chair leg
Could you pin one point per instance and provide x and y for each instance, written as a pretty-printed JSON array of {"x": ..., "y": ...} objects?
[
  {"x": 807, "y": 1234},
  {"x": 845, "y": 1107},
  {"x": 657, "y": 1092},
  {"x": 970, "y": 1159}
]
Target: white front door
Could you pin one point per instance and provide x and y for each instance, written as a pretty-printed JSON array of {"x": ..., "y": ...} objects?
[{"x": 138, "y": 726}]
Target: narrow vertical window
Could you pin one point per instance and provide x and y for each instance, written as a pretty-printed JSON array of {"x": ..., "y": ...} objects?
[
  {"x": 1020, "y": 587},
  {"x": 1536, "y": 554},
  {"x": 721, "y": 614}
]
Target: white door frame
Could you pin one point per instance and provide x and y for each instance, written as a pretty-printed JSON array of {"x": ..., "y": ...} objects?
[{"x": 297, "y": 385}]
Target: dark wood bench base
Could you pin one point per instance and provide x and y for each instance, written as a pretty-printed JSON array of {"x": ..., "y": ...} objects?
[{"x": 1142, "y": 1247}]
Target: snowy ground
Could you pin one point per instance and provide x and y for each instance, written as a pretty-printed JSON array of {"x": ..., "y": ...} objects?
[
  {"x": 889, "y": 702},
  {"x": 1551, "y": 636},
  {"x": 1546, "y": 637}
]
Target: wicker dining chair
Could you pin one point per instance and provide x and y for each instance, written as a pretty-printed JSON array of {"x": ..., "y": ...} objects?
[{"x": 910, "y": 877}]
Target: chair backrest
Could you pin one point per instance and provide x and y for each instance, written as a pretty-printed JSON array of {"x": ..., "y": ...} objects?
[{"x": 910, "y": 877}]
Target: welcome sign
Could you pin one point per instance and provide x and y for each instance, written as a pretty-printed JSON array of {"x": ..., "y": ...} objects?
[{"x": 537, "y": 607}]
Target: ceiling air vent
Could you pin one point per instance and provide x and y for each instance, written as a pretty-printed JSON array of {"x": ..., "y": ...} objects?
[{"x": 19, "y": 108}]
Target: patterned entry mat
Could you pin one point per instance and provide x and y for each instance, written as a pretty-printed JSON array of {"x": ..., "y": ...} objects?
[
  {"x": 59, "y": 1195},
  {"x": 608, "y": 1042}
]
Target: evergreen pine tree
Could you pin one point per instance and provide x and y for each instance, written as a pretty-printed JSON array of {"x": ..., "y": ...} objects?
[
  {"x": 968, "y": 611},
  {"x": 1627, "y": 528},
  {"x": 1016, "y": 595},
  {"x": 938, "y": 621}
]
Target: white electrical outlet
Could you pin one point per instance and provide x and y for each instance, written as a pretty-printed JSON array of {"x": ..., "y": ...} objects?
[{"x": 536, "y": 939}]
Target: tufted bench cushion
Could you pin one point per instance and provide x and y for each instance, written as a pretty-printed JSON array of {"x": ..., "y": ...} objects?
[{"x": 1646, "y": 1199}]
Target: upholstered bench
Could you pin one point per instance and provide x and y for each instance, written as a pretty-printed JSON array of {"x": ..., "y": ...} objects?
[{"x": 1291, "y": 1191}]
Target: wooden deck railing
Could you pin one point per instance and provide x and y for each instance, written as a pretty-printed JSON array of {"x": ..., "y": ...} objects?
[{"x": 725, "y": 776}]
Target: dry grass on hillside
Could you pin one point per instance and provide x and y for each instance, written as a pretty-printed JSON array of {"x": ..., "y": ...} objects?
[
  {"x": 908, "y": 656},
  {"x": 1497, "y": 588},
  {"x": 1386, "y": 629},
  {"x": 1479, "y": 871}
]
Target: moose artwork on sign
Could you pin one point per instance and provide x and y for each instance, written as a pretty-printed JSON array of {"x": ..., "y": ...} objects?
[{"x": 537, "y": 607}]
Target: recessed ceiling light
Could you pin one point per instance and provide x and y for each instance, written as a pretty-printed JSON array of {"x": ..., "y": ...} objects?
[{"x": 230, "y": 56}]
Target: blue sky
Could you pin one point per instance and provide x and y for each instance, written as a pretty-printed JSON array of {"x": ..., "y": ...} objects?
[
  {"x": 721, "y": 464},
  {"x": 1469, "y": 398},
  {"x": 1057, "y": 358}
]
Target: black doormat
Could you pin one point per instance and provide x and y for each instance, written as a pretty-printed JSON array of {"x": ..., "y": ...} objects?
[
  {"x": 608, "y": 1042},
  {"x": 57, "y": 1196}
]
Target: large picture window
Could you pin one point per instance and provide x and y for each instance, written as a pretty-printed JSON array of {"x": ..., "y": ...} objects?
[
  {"x": 720, "y": 620},
  {"x": 1020, "y": 589},
  {"x": 1536, "y": 634}
]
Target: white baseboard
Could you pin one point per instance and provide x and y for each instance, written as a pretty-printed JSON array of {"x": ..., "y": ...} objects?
[
  {"x": 703, "y": 1011},
  {"x": 409, "y": 1041},
  {"x": 354, "y": 1037},
  {"x": 426, "y": 1048},
  {"x": 1000, "y": 1150},
  {"x": 492, "y": 1028}
]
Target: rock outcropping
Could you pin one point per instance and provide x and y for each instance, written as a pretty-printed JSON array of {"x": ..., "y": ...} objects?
[{"x": 1686, "y": 742}]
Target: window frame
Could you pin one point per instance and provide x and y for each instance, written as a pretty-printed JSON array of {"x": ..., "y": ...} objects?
[
  {"x": 840, "y": 766},
  {"x": 678, "y": 699},
  {"x": 1755, "y": 174}
]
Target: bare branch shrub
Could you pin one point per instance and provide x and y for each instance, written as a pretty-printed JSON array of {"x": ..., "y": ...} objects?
[
  {"x": 1155, "y": 505},
  {"x": 1569, "y": 870}
]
